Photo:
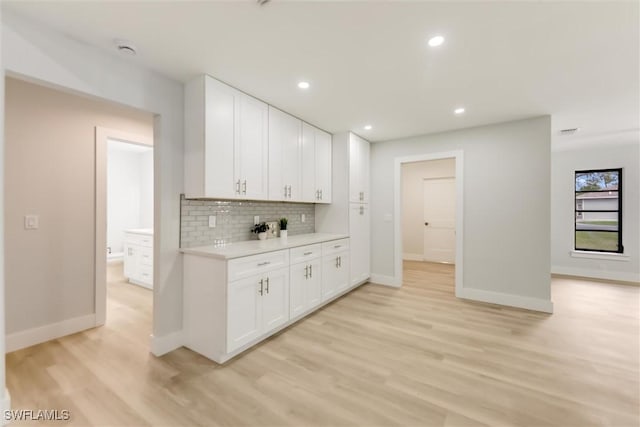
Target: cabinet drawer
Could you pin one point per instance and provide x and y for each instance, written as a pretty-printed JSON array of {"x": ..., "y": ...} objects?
[
  {"x": 305, "y": 253},
  {"x": 146, "y": 256},
  {"x": 335, "y": 246},
  {"x": 240, "y": 268},
  {"x": 139, "y": 239},
  {"x": 145, "y": 274}
]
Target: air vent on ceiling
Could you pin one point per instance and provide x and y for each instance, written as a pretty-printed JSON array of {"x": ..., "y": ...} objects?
[{"x": 569, "y": 131}]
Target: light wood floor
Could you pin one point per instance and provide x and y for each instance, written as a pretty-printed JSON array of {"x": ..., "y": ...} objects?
[{"x": 379, "y": 356}]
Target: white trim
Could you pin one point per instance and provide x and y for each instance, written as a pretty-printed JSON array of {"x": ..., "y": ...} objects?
[
  {"x": 380, "y": 279},
  {"x": 166, "y": 343},
  {"x": 459, "y": 176},
  {"x": 5, "y": 405},
  {"x": 529, "y": 303},
  {"x": 102, "y": 135},
  {"x": 23, "y": 339},
  {"x": 600, "y": 255},
  {"x": 597, "y": 274},
  {"x": 412, "y": 257}
]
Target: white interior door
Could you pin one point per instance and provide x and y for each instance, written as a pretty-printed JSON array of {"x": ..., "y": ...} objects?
[{"x": 440, "y": 220}]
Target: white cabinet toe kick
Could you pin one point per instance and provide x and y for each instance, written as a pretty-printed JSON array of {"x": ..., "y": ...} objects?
[{"x": 232, "y": 304}]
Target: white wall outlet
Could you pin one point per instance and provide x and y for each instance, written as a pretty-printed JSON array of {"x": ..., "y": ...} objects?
[
  {"x": 256, "y": 220},
  {"x": 303, "y": 218},
  {"x": 212, "y": 221},
  {"x": 31, "y": 222}
]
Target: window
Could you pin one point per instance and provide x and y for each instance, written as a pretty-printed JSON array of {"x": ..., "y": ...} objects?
[{"x": 598, "y": 210}]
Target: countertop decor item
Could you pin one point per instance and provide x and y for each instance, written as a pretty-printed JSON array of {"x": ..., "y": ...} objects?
[
  {"x": 283, "y": 227},
  {"x": 261, "y": 230}
]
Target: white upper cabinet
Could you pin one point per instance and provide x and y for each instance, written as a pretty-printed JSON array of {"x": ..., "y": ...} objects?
[
  {"x": 316, "y": 165},
  {"x": 226, "y": 142},
  {"x": 285, "y": 156},
  {"x": 358, "y": 169},
  {"x": 238, "y": 147}
]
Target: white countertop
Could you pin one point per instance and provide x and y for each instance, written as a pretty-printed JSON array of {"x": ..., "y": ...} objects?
[
  {"x": 146, "y": 231},
  {"x": 254, "y": 247}
]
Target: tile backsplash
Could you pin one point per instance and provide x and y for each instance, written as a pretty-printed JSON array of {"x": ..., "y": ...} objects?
[{"x": 235, "y": 218}]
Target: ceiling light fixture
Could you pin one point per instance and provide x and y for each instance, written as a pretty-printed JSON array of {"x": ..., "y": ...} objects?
[
  {"x": 459, "y": 110},
  {"x": 303, "y": 85},
  {"x": 436, "y": 41},
  {"x": 368, "y": 127}
]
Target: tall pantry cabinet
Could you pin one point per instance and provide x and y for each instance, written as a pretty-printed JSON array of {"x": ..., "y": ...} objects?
[{"x": 349, "y": 211}]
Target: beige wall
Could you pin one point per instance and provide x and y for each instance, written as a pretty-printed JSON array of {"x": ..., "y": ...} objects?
[
  {"x": 413, "y": 176},
  {"x": 50, "y": 155}
]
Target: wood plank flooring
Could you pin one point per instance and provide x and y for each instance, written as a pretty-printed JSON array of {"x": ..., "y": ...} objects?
[{"x": 414, "y": 356}]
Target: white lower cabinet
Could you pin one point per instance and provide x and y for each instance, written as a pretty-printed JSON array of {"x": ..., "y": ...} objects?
[
  {"x": 305, "y": 291},
  {"x": 138, "y": 257},
  {"x": 230, "y": 305},
  {"x": 256, "y": 305}
]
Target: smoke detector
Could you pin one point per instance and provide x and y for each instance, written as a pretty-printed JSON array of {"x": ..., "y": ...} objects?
[
  {"x": 569, "y": 131},
  {"x": 125, "y": 47}
]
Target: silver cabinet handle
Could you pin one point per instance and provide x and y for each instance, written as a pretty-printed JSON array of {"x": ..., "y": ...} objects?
[
  {"x": 244, "y": 187},
  {"x": 306, "y": 271},
  {"x": 337, "y": 262},
  {"x": 260, "y": 264},
  {"x": 308, "y": 253},
  {"x": 310, "y": 270},
  {"x": 361, "y": 210},
  {"x": 317, "y": 194},
  {"x": 238, "y": 187},
  {"x": 289, "y": 192},
  {"x": 267, "y": 288},
  {"x": 321, "y": 197},
  {"x": 285, "y": 191},
  {"x": 337, "y": 246},
  {"x": 261, "y": 284}
]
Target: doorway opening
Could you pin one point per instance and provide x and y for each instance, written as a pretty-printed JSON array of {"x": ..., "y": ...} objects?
[
  {"x": 124, "y": 220},
  {"x": 429, "y": 213}
]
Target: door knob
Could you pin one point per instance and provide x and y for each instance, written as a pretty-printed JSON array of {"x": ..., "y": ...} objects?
[{"x": 426, "y": 223}]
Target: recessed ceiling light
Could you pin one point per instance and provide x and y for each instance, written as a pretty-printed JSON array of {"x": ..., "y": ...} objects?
[
  {"x": 368, "y": 127},
  {"x": 459, "y": 110},
  {"x": 436, "y": 41},
  {"x": 303, "y": 85}
]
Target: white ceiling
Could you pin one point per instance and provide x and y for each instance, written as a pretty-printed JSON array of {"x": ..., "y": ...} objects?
[{"x": 369, "y": 63}]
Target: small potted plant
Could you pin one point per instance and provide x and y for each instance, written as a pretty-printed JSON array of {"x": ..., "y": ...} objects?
[
  {"x": 283, "y": 227},
  {"x": 261, "y": 230}
]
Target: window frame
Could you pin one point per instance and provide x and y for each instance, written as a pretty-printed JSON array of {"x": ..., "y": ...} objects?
[{"x": 577, "y": 211}]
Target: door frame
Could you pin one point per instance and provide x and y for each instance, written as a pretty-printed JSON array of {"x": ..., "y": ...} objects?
[
  {"x": 458, "y": 155},
  {"x": 102, "y": 135},
  {"x": 424, "y": 180}
]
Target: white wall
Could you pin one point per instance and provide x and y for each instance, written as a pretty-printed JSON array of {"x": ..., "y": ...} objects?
[
  {"x": 129, "y": 192},
  {"x": 609, "y": 153},
  {"x": 413, "y": 176},
  {"x": 32, "y": 51},
  {"x": 506, "y": 237}
]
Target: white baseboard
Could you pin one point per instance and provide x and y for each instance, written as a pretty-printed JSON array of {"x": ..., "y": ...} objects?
[
  {"x": 166, "y": 343},
  {"x": 596, "y": 274},
  {"x": 412, "y": 257},
  {"x": 5, "y": 403},
  {"x": 23, "y": 339},
  {"x": 536, "y": 304},
  {"x": 380, "y": 279}
]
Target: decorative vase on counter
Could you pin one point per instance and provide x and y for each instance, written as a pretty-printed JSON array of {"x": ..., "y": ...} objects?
[
  {"x": 283, "y": 234},
  {"x": 262, "y": 236}
]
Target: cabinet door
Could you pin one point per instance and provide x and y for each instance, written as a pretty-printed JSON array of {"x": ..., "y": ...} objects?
[
  {"x": 284, "y": 156},
  {"x": 323, "y": 165},
  {"x": 252, "y": 148},
  {"x": 221, "y": 104},
  {"x": 364, "y": 153},
  {"x": 330, "y": 276},
  {"x": 298, "y": 277},
  {"x": 131, "y": 253},
  {"x": 342, "y": 272},
  {"x": 359, "y": 232},
  {"x": 244, "y": 315},
  {"x": 313, "y": 285},
  {"x": 309, "y": 162},
  {"x": 355, "y": 173},
  {"x": 275, "y": 299}
]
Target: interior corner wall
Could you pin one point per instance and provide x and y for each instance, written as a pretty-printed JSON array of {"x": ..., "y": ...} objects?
[
  {"x": 34, "y": 52},
  {"x": 506, "y": 205},
  {"x": 608, "y": 154},
  {"x": 413, "y": 176},
  {"x": 50, "y": 172}
]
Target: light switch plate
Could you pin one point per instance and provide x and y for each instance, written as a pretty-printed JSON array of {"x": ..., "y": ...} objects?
[
  {"x": 256, "y": 220},
  {"x": 31, "y": 222},
  {"x": 212, "y": 221},
  {"x": 303, "y": 218}
]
